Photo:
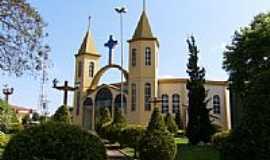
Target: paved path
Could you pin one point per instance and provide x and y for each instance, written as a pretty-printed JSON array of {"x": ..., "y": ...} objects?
[{"x": 113, "y": 153}]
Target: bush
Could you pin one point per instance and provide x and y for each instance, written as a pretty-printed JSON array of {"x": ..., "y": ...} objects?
[
  {"x": 54, "y": 141},
  {"x": 156, "y": 121},
  {"x": 131, "y": 136},
  {"x": 62, "y": 115},
  {"x": 157, "y": 145},
  {"x": 4, "y": 139},
  {"x": 170, "y": 123},
  {"x": 7, "y": 117},
  {"x": 219, "y": 138},
  {"x": 103, "y": 119}
]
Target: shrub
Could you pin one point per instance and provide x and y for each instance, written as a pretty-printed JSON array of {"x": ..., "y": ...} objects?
[
  {"x": 4, "y": 139},
  {"x": 103, "y": 119},
  {"x": 157, "y": 145},
  {"x": 170, "y": 123},
  {"x": 219, "y": 138},
  {"x": 131, "y": 136},
  {"x": 156, "y": 121},
  {"x": 119, "y": 120},
  {"x": 62, "y": 115},
  {"x": 54, "y": 141},
  {"x": 7, "y": 117}
]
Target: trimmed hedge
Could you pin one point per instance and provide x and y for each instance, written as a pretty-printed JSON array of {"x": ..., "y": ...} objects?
[
  {"x": 55, "y": 141},
  {"x": 219, "y": 138}
]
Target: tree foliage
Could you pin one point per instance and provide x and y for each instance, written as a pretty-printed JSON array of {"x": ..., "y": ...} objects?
[
  {"x": 7, "y": 117},
  {"x": 62, "y": 115},
  {"x": 251, "y": 139},
  {"x": 104, "y": 118},
  {"x": 21, "y": 37},
  {"x": 199, "y": 126},
  {"x": 247, "y": 55},
  {"x": 170, "y": 123}
]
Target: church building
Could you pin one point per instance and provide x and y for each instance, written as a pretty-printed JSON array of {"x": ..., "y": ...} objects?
[{"x": 141, "y": 84}]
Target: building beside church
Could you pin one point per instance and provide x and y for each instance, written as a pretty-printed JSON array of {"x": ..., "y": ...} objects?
[{"x": 142, "y": 83}]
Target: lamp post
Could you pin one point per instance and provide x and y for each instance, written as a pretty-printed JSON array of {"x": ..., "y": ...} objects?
[
  {"x": 121, "y": 11},
  {"x": 7, "y": 92}
]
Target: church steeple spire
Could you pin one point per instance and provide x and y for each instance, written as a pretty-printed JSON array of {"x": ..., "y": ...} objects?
[{"x": 88, "y": 44}]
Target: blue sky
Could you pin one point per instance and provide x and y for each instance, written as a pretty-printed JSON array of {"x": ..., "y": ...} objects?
[{"x": 212, "y": 22}]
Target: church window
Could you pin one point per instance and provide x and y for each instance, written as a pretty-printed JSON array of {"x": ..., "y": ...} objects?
[
  {"x": 216, "y": 104},
  {"x": 165, "y": 103},
  {"x": 79, "y": 73},
  {"x": 91, "y": 69},
  {"x": 147, "y": 56},
  {"x": 78, "y": 102},
  {"x": 133, "y": 97},
  {"x": 176, "y": 103},
  {"x": 147, "y": 96},
  {"x": 133, "y": 57}
]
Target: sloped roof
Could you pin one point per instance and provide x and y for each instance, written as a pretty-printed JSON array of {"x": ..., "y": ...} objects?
[
  {"x": 143, "y": 29},
  {"x": 88, "y": 46}
]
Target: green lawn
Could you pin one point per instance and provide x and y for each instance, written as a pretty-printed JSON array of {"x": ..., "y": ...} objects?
[{"x": 189, "y": 152}]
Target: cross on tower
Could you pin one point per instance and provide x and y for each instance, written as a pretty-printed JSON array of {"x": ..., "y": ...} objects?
[
  {"x": 64, "y": 88},
  {"x": 111, "y": 45},
  {"x": 7, "y": 92},
  {"x": 89, "y": 22}
]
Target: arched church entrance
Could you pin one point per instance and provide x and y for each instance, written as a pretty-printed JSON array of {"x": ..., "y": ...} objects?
[
  {"x": 104, "y": 99},
  {"x": 87, "y": 113},
  {"x": 117, "y": 103}
]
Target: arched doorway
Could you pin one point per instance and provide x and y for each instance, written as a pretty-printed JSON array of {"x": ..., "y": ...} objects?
[
  {"x": 117, "y": 103},
  {"x": 87, "y": 113},
  {"x": 103, "y": 99}
]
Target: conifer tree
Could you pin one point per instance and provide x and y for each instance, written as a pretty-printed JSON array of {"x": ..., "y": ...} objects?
[
  {"x": 104, "y": 117},
  {"x": 119, "y": 120},
  {"x": 156, "y": 121},
  {"x": 199, "y": 125},
  {"x": 170, "y": 123},
  {"x": 62, "y": 115}
]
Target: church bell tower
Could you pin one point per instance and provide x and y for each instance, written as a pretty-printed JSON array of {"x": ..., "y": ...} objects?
[
  {"x": 143, "y": 65},
  {"x": 87, "y": 63}
]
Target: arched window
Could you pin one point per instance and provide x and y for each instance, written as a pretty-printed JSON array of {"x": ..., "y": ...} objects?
[
  {"x": 133, "y": 57},
  {"x": 133, "y": 97},
  {"x": 147, "y": 96},
  {"x": 165, "y": 103},
  {"x": 79, "y": 71},
  {"x": 216, "y": 104},
  {"x": 91, "y": 69},
  {"x": 147, "y": 56},
  {"x": 176, "y": 103}
]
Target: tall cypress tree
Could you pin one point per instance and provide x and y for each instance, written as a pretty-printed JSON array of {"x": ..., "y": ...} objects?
[{"x": 199, "y": 125}]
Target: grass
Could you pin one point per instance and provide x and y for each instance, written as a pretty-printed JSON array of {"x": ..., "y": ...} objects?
[{"x": 190, "y": 152}]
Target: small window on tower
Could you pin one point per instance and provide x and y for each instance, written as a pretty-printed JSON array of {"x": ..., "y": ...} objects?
[
  {"x": 216, "y": 104},
  {"x": 79, "y": 71},
  {"x": 133, "y": 57},
  {"x": 133, "y": 97},
  {"x": 147, "y": 56},
  {"x": 91, "y": 69}
]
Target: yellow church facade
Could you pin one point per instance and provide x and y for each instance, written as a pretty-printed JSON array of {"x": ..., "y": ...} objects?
[{"x": 141, "y": 85}]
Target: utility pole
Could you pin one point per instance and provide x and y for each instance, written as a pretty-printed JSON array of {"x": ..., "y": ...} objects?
[
  {"x": 7, "y": 92},
  {"x": 121, "y": 11},
  {"x": 65, "y": 88}
]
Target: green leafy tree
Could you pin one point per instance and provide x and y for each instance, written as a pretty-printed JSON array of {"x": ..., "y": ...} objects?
[
  {"x": 62, "y": 115},
  {"x": 246, "y": 56},
  {"x": 35, "y": 116},
  {"x": 26, "y": 119},
  {"x": 178, "y": 120},
  {"x": 21, "y": 37},
  {"x": 119, "y": 119},
  {"x": 7, "y": 117},
  {"x": 251, "y": 139},
  {"x": 199, "y": 126},
  {"x": 170, "y": 123},
  {"x": 103, "y": 119},
  {"x": 156, "y": 121}
]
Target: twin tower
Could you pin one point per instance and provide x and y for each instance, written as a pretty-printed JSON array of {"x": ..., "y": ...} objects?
[{"x": 142, "y": 82}]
